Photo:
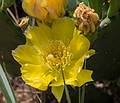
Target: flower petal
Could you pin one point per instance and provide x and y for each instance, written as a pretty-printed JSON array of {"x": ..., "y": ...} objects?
[
  {"x": 39, "y": 36},
  {"x": 27, "y": 54},
  {"x": 83, "y": 77},
  {"x": 63, "y": 29},
  {"x": 35, "y": 8},
  {"x": 69, "y": 78},
  {"x": 71, "y": 72},
  {"x": 58, "y": 92},
  {"x": 58, "y": 80},
  {"x": 47, "y": 30},
  {"x": 90, "y": 53},
  {"x": 56, "y": 8},
  {"x": 79, "y": 45},
  {"x": 37, "y": 76}
]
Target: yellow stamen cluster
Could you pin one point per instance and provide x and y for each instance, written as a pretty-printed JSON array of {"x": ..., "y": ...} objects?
[
  {"x": 87, "y": 19},
  {"x": 57, "y": 55}
]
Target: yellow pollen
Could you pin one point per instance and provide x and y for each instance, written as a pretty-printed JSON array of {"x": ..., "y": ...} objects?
[{"x": 57, "y": 55}]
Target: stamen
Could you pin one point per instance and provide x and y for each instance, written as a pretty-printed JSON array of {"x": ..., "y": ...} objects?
[{"x": 57, "y": 55}]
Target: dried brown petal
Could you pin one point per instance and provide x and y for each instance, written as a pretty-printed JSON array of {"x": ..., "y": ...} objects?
[{"x": 87, "y": 19}]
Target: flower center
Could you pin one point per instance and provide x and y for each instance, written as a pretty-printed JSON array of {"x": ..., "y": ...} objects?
[{"x": 57, "y": 55}]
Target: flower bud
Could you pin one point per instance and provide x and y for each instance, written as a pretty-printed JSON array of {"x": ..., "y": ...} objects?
[
  {"x": 44, "y": 10},
  {"x": 87, "y": 19}
]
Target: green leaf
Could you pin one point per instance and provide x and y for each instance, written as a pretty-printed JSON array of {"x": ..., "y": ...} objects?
[
  {"x": 113, "y": 7},
  {"x": 10, "y": 37},
  {"x": 106, "y": 62},
  {"x": 72, "y": 4},
  {"x": 5, "y": 87},
  {"x": 10, "y": 34},
  {"x": 96, "y": 5},
  {"x": 85, "y": 1},
  {"x": 6, "y": 3}
]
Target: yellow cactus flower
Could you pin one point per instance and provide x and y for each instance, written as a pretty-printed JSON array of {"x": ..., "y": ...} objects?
[
  {"x": 51, "y": 53},
  {"x": 44, "y": 10}
]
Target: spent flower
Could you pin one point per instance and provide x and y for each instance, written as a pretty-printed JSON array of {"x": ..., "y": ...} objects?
[
  {"x": 51, "y": 53},
  {"x": 87, "y": 19}
]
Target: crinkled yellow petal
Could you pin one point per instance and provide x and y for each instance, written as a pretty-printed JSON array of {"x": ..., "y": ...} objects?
[
  {"x": 27, "y": 54},
  {"x": 35, "y": 8},
  {"x": 58, "y": 92},
  {"x": 27, "y": 6},
  {"x": 70, "y": 73},
  {"x": 63, "y": 29},
  {"x": 58, "y": 81},
  {"x": 76, "y": 67},
  {"x": 56, "y": 8},
  {"x": 38, "y": 35},
  {"x": 79, "y": 45},
  {"x": 83, "y": 77},
  {"x": 45, "y": 9},
  {"x": 37, "y": 76},
  {"x": 90, "y": 53},
  {"x": 46, "y": 29}
]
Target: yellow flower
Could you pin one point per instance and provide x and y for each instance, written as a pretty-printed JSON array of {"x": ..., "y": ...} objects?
[
  {"x": 45, "y": 10},
  {"x": 51, "y": 53}
]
